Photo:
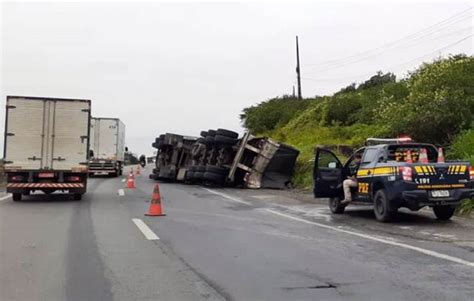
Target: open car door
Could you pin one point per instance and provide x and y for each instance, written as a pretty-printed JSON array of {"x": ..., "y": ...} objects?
[{"x": 327, "y": 174}]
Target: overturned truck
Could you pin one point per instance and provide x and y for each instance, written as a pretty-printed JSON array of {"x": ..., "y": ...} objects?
[{"x": 219, "y": 157}]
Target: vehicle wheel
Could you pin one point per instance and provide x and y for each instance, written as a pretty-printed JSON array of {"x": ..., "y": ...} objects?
[
  {"x": 77, "y": 196},
  {"x": 381, "y": 208},
  {"x": 16, "y": 197},
  {"x": 211, "y": 133},
  {"x": 198, "y": 175},
  {"x": 335, "y": 206},
  {"x": 217, "y": 170},
  {"x": 204, "y": 134},
  {"x": 219, "y": 139},
  {"x": 227, "y": 133},
  {"x": 120, "y": 172},
  {"x": 189, "y": 175},
  {"x": 209, "y": 139},
  {"x": 213, "y": 177},
  {"x": 114, "y": 174},
  {"x": 443, "y": 212}
]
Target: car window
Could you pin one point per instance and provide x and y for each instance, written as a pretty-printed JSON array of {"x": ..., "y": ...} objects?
[
  {"x": 370, "y": 155},
  {"x": 328, "y": 160}
]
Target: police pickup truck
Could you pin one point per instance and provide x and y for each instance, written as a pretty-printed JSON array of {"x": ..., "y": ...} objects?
[{"x": 392, "y": 175}]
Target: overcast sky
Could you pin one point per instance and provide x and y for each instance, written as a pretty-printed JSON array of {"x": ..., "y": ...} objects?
[{"x": 186, "y": 67}]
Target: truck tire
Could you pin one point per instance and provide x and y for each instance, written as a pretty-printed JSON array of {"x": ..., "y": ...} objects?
[
  {"x": 209, "y": 139},
  {"x": 189, "y": 175},
  {"x": 335, "y": 206},
  {"x": 198, "y": 175},
  {"x": 217, "y": 170},
  {"x": 213, "y": 177},
  {"x": 16, "y": 197},
  {"x": 443, "y": 212},
  {"x": 77, "y": 196},
  {"x": 219, "y": 139},
  {"x": 227, "y": 133},
  {"x": 211, "y": 133},
  {"x": 381, "y": 207}
]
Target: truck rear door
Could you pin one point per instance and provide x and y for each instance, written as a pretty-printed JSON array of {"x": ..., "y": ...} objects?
[
  {"x": 23, "y": 133},
  {"x": 70, "y": 136},
  {"x": 46, "y": 133}
]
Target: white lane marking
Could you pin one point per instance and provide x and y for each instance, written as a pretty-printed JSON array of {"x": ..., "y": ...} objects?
[
  {"x": 149, "y": 234},
  {"x": 4, "y": 198},
  {"x": 385, "y": 241},
  {"x": 121, "y": 192},
  {"x": 227, "y": 196}
]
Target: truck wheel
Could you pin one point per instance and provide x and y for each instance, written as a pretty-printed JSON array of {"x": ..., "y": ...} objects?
[
  {"x": 213, "y": 177},
  {"x": 198, "y": 175},
  {"x": 77, "y": 196},
  {"x": 381, "y": 208},
  {"x": 16, "y": 197},
  {"x": 443, "y": 212},
  {"x": 220, "y": 139},
  {"x": 217, "y": 170},
  {"x": 227, "y": 133},
  {"x": 211, "y": 133},
  {"x": 209, "y": 139},
  {"x": 335, "y": 206}
]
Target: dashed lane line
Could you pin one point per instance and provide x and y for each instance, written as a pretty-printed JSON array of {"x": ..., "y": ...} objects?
[
  {"x": 149, "y": 234},
  {"x": 381, "y": 240},
  {"x": 4, "y": 198}
]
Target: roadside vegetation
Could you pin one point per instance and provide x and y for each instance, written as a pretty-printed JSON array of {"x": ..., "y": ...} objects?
[{"x": 434, "y": 103}]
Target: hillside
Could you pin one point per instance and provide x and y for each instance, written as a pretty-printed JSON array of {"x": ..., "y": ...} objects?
[{"x": 435, "y": 104}]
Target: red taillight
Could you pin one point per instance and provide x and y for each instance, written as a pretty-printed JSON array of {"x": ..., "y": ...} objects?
[
  {"x": 471, "y": 173},
  {"x": 407, "y": 173},
  {"x": 73, "y": 179},
  {"x": 17, "y": 178}
]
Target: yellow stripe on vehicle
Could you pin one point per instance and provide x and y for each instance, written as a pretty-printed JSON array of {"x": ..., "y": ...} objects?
[
  {"x": 419, "y": 170},
  {"x": 382, "y": 170},
  {"x": 363, "y": 172},
  {"x": 463, "y": 169}
]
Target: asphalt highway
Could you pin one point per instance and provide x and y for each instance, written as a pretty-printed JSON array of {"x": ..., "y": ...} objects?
[{"x": 224, "y": 244}]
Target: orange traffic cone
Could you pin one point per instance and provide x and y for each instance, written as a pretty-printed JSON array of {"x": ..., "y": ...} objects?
[
  {"x": 440, "y": 155},
  {"x": 155, "y": 205},
  {"x": 131, "y": 181},
  {"x": 408, "y": 158},
  {"x": 423, "y": 156},
  {"x": 138, "y": 170}
]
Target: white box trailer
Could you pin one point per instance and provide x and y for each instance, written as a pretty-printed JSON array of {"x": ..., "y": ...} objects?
[
  {"x": 107, "y": 149},
  {"x": 46, "y": 145}
]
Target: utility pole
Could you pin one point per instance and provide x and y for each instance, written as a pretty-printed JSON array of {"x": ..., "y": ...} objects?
[{"x": 298, "y": 71}]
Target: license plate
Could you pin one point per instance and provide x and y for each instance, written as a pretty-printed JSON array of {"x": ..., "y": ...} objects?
[
  {"x": 46, "y": 175},
  {"x": 440, "y": 193}
]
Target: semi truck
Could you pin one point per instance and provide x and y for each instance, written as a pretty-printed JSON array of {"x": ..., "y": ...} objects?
[
  {"x": 107, "y": 148},
  {"x": 220, "y": 158},
  {"x": 46, "y": 145}
]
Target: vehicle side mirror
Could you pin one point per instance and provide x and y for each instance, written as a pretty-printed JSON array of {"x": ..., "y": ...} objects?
[
  {"x": 332, "y": 165},
  {"x": 126, "y": 149}
]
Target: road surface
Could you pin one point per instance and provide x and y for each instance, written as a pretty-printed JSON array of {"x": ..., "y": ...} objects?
[{"x": 224, "y": 244}]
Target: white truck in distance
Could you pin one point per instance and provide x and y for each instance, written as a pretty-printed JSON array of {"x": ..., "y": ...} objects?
[
  {"x": 107, "y": 149},
  {"x": 46, "y": 145}
]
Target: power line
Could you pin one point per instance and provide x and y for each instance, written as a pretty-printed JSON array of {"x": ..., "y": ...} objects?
[
  {"x": 395, "y": 66},
  {"x": 410, "y": 39}
]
